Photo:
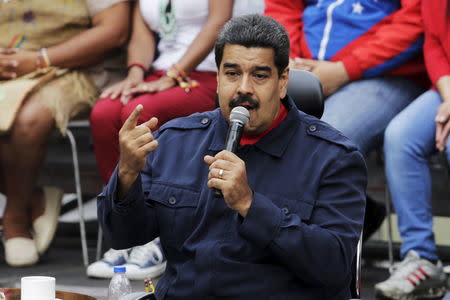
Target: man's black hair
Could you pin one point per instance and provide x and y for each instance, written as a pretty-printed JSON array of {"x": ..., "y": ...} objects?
[{"x": 255, "y": 31}]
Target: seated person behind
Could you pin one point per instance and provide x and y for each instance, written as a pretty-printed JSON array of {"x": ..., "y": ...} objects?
[
  {"x": 419, "y": 131},
  {"x": 293, "y": 195}
]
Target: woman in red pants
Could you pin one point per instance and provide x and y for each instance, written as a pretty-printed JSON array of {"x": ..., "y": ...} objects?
[{"x": 179, "y": 82}]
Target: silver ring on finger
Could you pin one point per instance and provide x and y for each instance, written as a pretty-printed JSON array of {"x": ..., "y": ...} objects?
[{"x": 220, "y": 173}]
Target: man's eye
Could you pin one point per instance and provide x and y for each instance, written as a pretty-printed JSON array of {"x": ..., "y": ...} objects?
[
  {"x": 231, "y": 73},
  {"x": 260, "y": 76}
]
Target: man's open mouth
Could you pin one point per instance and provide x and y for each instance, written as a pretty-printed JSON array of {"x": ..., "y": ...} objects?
[{"x": 247, "y": 106}]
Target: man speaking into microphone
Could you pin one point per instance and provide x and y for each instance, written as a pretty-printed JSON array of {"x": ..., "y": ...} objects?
[{"x": 286, "y": 222}]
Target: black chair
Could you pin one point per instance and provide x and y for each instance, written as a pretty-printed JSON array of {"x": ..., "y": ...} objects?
[{"x": 306, "y": 90}]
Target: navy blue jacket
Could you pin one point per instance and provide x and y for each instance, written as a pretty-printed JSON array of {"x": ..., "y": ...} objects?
[{"x": 299, "y": 237}]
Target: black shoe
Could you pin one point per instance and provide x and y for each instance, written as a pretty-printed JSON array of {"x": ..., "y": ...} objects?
[{"x": 373, "y": 218}]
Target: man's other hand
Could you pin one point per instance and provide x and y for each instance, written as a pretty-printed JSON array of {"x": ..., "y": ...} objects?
[{"x": 227, "y": 173}]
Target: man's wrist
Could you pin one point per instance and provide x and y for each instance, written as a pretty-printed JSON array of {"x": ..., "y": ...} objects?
[
  {"x": 126, "y": 179},
  {"x": 244, "y": 211},
  {"x": 127, "y": 174},
  {"x": 245, "y": 207}
]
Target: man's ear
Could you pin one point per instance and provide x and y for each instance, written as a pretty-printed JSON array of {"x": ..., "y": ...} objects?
[{"x": 283, "y": 83}]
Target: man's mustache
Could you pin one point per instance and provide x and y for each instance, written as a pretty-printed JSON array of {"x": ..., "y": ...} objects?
[{"x": 254, "y": 104}]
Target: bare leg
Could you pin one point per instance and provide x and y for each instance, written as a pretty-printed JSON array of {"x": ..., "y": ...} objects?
[{"x": 22, "y": 153}]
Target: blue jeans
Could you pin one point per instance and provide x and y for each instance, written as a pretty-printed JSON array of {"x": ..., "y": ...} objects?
[
  {"x": 362, "y": 109},
  {"x": 409, "y": 140}
]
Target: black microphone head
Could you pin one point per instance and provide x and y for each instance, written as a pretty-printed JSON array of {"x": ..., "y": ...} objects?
[{"x": 240, "y": 114}]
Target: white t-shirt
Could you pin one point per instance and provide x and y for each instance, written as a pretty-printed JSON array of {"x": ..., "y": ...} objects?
[
  {"x": 190, "y": 16},
  {"x": 242, "y": 7}
]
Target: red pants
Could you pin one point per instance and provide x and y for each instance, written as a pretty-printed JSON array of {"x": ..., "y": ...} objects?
[{"x": 108, "y": 115}]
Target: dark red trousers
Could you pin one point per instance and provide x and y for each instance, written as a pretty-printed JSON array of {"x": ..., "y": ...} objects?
[{"x": 108, "y": 115}]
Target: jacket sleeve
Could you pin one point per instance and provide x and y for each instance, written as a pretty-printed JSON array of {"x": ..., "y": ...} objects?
[
  {"x": 289, "y": 14},
  {"x": 128, "y": 222},
  {"x": 321, "y": 250},
  {"x": 392, "y": 42},
  {"x": 436, "y": 60}
]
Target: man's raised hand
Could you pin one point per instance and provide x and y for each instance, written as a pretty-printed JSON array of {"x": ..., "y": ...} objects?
[{"x": 135, "y": 142}]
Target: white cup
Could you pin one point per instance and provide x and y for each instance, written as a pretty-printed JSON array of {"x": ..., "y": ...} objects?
[{"x": 37, "y": 288}]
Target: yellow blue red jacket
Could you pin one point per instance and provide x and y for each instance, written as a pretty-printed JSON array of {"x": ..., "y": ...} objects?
[{"x": 371, "y": 37}]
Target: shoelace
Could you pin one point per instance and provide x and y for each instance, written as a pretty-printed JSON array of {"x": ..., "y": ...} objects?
[
  {"x": 404, "y": 267},
  {"x": 113, "y": 255},
  {"x": 141, "y": 254}
]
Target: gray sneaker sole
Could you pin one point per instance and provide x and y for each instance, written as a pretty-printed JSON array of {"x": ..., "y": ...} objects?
[{"x": 425, "y": 293}]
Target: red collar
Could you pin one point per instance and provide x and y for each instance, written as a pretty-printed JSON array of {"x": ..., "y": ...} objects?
[{"x": 249, "y": 139}]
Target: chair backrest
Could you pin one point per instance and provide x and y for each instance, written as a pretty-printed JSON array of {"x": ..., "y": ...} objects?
[{"x": 306, "y": 90}]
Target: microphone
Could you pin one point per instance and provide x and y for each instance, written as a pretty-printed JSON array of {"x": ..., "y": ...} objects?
[{"x": 239, "y": 116}]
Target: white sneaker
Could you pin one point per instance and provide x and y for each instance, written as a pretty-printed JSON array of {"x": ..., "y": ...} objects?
[
  {"x": 104, "y": 268},
  {"x": 447, "y": 269},
  {"x": 147, "y": 261},
  {"x": 413, "y": 278}
]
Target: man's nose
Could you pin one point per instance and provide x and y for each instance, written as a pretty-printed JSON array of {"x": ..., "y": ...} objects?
[{"x": 245, "y": 86}]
